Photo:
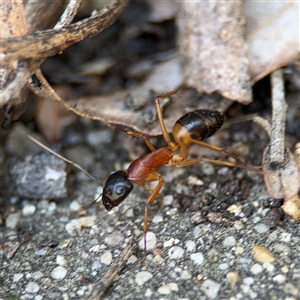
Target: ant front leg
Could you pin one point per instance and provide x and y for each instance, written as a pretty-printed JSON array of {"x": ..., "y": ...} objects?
[{"x": 153, "y": 177}]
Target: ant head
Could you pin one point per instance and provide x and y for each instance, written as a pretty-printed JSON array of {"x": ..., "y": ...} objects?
[{"x": 117, "y": 187}]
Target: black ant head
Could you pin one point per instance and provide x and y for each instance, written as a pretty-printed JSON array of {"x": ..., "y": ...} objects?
[{"x": 117, "y": 187}]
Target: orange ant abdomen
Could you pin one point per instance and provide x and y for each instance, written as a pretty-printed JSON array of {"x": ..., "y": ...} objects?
[{"x": 197, "y": 125}]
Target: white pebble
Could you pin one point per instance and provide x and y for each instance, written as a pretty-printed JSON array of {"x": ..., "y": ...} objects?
[
  {"x": 193, "y": 180},
  {"x": 269, "y": 267},
  {"x": 32, "y": 287},
  {"x": 96, "y": 265},
  {"x": 279, "y": 278},
  {"x": 256, "y": 269},
  {"x": 106, "y": 258},
  {"x": 59, "y": 273},
  {"x": 229, "y": 241},
  {"x": 12, "y": 220},
  {"x": 52, "y": 206},
  {"x": 151, "y": 241},
  {"x": 175, "y": 252},
  {"x": 60, "y": 260},
  {"x": 168, "y": 200},
  {"x": 197, "y": 258},
  {"x": 158, "y": 219},
  {"x": 73, "y": 227},
  {"x": 95, "y": 248},
  {"x": 207, "y": 168},
  {"x": 142, "y": 277},
  {"x": 17, "y": 277},
  {"x": 223, "y": 266},
  {"x": 261, "y": 228},
  {"x": 185, "y": 275},
  {"x": 169, "y": 243},
  {"x": 248, "y": 280},
  {"x": 114, "y": 239},
  {"x": 211, "y": 288},
  {"x": 74, "y": 205},
  {"x": 190, "y": 245},
  {"x": 37, "y": 275},
  {"x": 28, "y": 210},
  {"x": 168, "y": 288},
  {"x": 131, "y": 260}
]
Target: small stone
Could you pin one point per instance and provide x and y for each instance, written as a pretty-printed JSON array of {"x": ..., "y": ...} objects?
[
  {"x": 114, "y": 239},
  {"x": 239, "y": 250},
  {"x": 239, "y": 225},
  {"x": 12, "y": 220},
  {"x": 185, "y": 275},
  {"x": 132, "y": 259},
  {"x": 279, "y": 278},
  {"x": 88, "y": 221},
  {"x": 106, "y": 258},
  {"x": 256, "y": 269},
  {"x": 211, "y": 288},
  {"x": 262, "y": 254},
  {"x": 142, "y": 277},
  {"x": 60, "y": 260},
  {"x": 17, "y": 277},
  {"x": 37, "y": 275},
  {"x": 96, "y": 265},
  {"x": 32, "y": 287},
  {"x": 168, "y": 200},
  {"x": 207, "y": 168},
  {"x": 28, "y": 210},
  {"x": 151, "y": 241},
  {"x": 193, "y": 180},
  {"x": 95, "y": 248},
  {"x": 232, "y": 278},
  {"x": 229, "y": 241},
  {"x": 73, "y": 227},
  {"x": 269, "y": 267},
  {"x": 169, "y": 243},
  {"x": 74, "y": 205},
  {"x": 223, "y": 266},
  {"x": 248, "y": 280},
  {"x": 168, "y": 288},
  {"x": 261, "y": 228},
  {"x": 175, "y": 252},
  {"x": 190, "y": 245},
  {"x": 197, "y": 258},
  {"x": 235, "y": 209},
  {"x": 289, "y": 288},
  {"x": 59, "y": 273},
  {"x": 158, "y": 219}
]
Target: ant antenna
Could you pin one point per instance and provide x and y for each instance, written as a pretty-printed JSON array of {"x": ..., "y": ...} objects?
[
  {"x": 76, "y": 166},
  {"x": 61, "y": 157}
]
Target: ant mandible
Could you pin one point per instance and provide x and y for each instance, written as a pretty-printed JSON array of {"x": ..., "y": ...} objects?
[{"x": 190, "y": 129}]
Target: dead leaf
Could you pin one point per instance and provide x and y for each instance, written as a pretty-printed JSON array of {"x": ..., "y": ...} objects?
[{"x": 272, "y": 32}]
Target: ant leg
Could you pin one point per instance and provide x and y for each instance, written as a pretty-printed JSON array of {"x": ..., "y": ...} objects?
[
  {"x": 154, "y": 176},
  {"x": 163, "y": 127},
  {"x": 239, "y": 162},
  {"x": 137, "y": 134}
]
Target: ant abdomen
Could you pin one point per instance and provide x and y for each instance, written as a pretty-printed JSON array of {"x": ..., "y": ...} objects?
[{"x": 197, "y": 125}]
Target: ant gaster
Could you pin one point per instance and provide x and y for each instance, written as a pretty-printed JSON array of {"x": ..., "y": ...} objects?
[{"x": 190, "y": 129}]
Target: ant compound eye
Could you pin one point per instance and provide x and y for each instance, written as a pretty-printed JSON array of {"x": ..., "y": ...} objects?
[
  {"x": 119, "y": 190},
  {"x": 117, "y": 187}
]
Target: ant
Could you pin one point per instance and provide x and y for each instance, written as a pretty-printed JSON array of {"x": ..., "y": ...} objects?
[{"x": 190, "y": 129}]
